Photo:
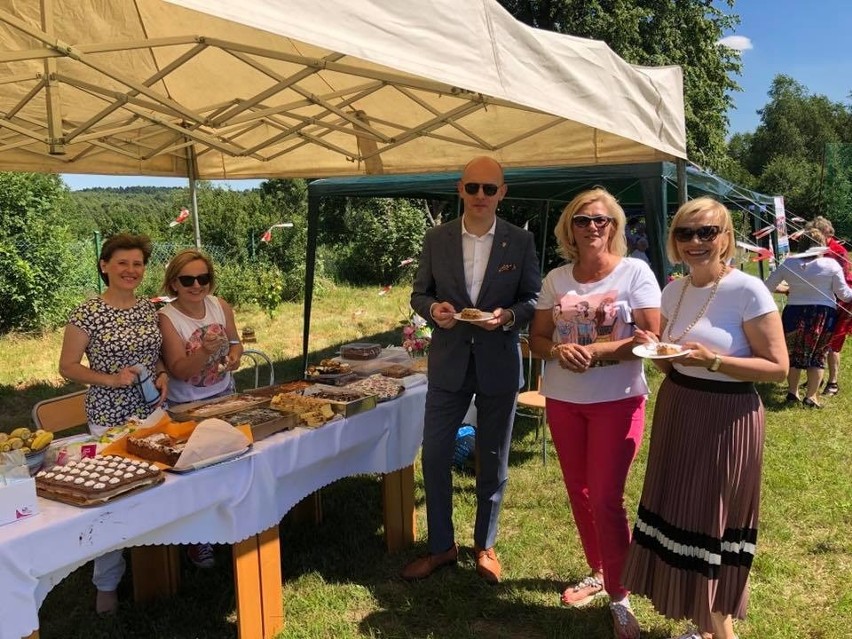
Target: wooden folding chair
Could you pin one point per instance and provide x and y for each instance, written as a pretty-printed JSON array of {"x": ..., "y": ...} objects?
[
  {"x": 531, "y": 401},
  {"x": 58, "y": 414}
]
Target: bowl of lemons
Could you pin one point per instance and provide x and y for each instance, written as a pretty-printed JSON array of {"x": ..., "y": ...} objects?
[{"x": 33, "y": 443}]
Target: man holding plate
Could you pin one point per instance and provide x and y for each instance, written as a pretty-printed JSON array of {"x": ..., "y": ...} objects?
[{"x": 477, "y": 262}]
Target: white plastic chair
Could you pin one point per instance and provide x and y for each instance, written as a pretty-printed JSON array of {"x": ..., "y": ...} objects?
[{"x": 258, "y": 359}]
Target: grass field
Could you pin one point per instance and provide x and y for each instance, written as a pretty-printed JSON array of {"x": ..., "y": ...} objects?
[{"x": 340, "y": 583}]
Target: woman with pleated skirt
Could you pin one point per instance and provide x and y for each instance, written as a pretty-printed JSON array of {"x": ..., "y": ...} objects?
[{"x": 696, "y": 530}]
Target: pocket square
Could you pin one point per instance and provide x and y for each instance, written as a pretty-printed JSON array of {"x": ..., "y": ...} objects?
[{"x": 504, "y": 268}]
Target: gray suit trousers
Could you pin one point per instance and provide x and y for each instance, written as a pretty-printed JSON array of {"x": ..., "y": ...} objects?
[{"x": 444, "y": 413}]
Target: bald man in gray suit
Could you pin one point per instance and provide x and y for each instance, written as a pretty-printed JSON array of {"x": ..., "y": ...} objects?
[{"x": 484, "y": 262}]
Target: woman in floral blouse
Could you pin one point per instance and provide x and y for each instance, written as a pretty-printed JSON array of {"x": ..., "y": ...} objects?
[{"x": 116, "y": 332}]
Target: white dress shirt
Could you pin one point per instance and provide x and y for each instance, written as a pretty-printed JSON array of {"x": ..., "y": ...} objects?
[{"x": 476, "y": 250}]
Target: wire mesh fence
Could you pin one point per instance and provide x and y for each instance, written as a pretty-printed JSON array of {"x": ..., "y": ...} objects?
[{"x": 81, "y": 277}]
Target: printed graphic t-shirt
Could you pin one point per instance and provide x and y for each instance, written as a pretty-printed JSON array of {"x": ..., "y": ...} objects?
[
  {"x": 592, "y": 313},
  {"x": 209, "y": 381}
]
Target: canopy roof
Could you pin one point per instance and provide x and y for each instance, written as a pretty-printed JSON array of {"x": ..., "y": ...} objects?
[
  {"x": 312, "y": 88},
  {"x": 556, "y": 184}
]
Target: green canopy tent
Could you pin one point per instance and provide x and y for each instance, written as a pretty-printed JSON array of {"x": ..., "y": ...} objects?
[{"x": 649, "y": 187}]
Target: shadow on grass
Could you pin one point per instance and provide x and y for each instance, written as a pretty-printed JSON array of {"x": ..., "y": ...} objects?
[
  {"x": 347, "y": 555},
  {"x": 203, "y": 608}
]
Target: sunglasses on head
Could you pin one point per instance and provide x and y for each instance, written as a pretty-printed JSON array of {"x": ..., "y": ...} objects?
[
  {"x": 472, "y": 188},
  {"x": 704, "y": 233},
  {"x": 189, "y": 280},
  {"x": 583, "y": 221}
]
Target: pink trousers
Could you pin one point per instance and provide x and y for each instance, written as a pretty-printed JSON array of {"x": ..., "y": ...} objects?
[{"x": 596, "y": 443}]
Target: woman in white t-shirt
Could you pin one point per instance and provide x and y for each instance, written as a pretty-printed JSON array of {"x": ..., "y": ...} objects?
[
  {"x": 694, "y": 539},
  {"x": 200, "y": 343},
  {"x": 810, "y": 313},
  {"x": 594, "y": 385}
]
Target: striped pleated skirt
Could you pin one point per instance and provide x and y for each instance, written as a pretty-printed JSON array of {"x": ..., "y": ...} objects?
[{"x": 696, "y": 529}]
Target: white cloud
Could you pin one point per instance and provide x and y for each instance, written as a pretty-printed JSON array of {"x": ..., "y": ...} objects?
[{"x": 738, "y": 43}]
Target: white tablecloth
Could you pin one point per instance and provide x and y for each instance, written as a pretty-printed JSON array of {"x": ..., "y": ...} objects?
[{"x": 225, "y": 503}]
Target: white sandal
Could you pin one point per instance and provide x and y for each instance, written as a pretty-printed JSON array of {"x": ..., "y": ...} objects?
[{"x": 623, "y": 620}]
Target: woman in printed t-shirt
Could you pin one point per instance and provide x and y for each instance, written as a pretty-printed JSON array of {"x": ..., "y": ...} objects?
[
  {"x": 594, "y": 385},
  {"x": 200, "y": 343}
]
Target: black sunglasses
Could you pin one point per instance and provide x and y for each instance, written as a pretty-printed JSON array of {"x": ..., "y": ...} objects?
[
  {"x": 189, "y": 280},
  {"x": 472, "y": 188},
  {"x": 704, "y": 233},
  {"x": 583, "y": 221}
]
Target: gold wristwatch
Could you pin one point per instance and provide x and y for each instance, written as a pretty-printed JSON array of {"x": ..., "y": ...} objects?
[{"x": 715, "y": 364}]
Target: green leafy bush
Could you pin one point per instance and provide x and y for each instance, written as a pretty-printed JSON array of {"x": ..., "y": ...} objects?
[
  {"x": 35, "y": 253},
  {"x": 382, "y": 233}
]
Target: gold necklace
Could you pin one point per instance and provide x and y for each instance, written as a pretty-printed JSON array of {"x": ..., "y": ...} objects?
[{"x": 703, "y": 310}]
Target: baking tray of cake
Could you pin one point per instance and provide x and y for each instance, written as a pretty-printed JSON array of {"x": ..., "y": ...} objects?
[
  {"x": 263, "y": 421},
  {"x": 165, "y": 455},
  {"x": 360, "y": 351},
  {"x": 343, "y": 401},
  {"x": 384, "y": 388},
  {"x": 195, "y": 411},
  {"x": 332, "y": 379},
  {"x": 293, "y": 386},
  {"x": 96, "y": 481}
]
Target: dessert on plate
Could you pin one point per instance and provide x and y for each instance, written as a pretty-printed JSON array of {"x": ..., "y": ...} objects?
[
  {"x": 472, "y": 313},
  {"x": 667, "y": 349}
]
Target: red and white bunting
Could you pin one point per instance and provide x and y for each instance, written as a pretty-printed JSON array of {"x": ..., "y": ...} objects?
[
  {"x": 267, "y": 236},
  {"x": 766, "y": 230},
  {"x": 182, "y": 217}
]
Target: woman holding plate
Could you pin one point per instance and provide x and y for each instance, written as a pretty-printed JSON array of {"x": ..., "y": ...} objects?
[
  {"x": 594, "y": 385},
  {"x": 695, "y": 533}
]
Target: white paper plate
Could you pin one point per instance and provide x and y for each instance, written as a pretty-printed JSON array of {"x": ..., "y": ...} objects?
[
  {"x": 484, "y": 316},
  {"x": 649, "y": 351}
]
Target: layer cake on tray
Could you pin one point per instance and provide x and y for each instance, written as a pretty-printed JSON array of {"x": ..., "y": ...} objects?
[{"x": 96, "y": 480}]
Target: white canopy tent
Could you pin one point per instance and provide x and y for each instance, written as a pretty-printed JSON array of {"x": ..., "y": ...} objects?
[
  {"x": 313, "y": 88},
  {"x": 224, "y": 89}
]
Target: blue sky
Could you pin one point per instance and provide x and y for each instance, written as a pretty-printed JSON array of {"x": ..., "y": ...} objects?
[{"x": 808, "y": 41}]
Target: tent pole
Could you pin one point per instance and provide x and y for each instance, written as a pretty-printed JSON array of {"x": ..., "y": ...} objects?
[
  {"x": 681, "y": 182},
  {"x": 310, "y": 264},
  {"x": 193, "y": 195},
  {"x": 544, "y": 228}
]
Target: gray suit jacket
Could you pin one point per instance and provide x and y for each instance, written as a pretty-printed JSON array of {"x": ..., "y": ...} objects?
[{"x": 512, "y": 281}]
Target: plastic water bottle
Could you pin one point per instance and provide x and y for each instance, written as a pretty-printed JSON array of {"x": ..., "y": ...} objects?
[
  {"x": 145, "y": 384},
  {"x": 464, "y": 446}
]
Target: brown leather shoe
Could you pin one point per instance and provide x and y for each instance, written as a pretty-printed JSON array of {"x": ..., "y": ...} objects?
[
  {"x": 424, "y": 566},
  {"x": 487, "y": 564}
]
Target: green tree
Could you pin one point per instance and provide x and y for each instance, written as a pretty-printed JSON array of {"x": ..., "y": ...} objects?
[
  {"x": 800, "y": 149},
  {"x": 795, "y": 123},
  {"x": 654, "y": 33},
  {"x": 35, "y": 252},
  {"x": 383, "y": 232}
]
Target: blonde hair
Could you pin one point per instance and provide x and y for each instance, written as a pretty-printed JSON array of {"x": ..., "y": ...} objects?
[
  {"x": 823, "y": 225},
  {"x": 564, "y": 231},
  {"x": 721, "y": 217},
  {"x": 813, "y": 236},
  {"x": 180, "y": 260}
]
